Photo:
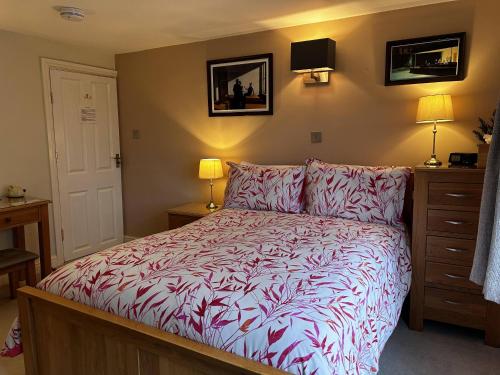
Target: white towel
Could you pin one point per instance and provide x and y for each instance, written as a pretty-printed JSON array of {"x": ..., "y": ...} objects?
[{"x": 486, "y": 267}]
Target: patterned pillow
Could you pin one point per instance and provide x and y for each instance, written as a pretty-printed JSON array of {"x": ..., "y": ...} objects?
[
  {"x": 256, "y": 187},
  {"x": 368, "y": 194},
  {"x": 281, "y": 166}
]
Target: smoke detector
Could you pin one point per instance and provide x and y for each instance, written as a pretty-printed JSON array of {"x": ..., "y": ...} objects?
[{"x": 71, "y": 13}]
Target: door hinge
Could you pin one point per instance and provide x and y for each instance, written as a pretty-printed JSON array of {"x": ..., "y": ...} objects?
[
  {"x": 57, "y": 156},
  {"x": 62, "y": 235},
  {"x": 51, "y": 98}
]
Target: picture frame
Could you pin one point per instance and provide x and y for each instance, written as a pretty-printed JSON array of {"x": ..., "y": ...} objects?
[
  {"x": 429, "y": 59},
  {"x": 240, "y": 86}
]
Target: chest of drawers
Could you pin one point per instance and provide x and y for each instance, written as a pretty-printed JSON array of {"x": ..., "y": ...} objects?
[{"x": 445, "y": 222}]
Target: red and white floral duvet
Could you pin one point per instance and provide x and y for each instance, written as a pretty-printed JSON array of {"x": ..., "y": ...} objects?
[{"x": 306, "y": 294}]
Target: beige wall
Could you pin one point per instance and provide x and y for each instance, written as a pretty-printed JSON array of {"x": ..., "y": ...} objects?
[
  {"x": 23, "y": 138},
  {"x": 162, "y": 92}
]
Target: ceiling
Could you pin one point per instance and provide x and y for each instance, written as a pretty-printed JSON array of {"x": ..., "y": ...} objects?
[{"x": 131, "y": 25}]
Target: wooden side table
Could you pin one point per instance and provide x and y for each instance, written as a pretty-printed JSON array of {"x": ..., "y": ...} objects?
[
  {"x": 187, "y": 213},
  {"x": 15, "y": 213}
]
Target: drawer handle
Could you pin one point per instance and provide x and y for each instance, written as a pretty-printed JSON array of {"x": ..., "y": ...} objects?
[
  {"x": 451, "y": 276},
  {"x": 454, "y": 250},
  {"x": 454, "y": 222},
  {"x": 8, "y": 220},
  {"x": 451, "y": 302},
  {"x": 456, "y": 195}
]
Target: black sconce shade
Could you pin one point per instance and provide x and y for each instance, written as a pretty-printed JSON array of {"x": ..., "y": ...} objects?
[{"x": 313, "y": 55}]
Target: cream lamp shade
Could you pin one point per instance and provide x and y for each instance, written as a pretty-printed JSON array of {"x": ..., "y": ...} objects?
[
  {"x": 210, "y": 169},
  {"x": 434, "y": 108}
]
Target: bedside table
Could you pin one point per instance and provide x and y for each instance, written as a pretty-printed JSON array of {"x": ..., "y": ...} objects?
[
  {"x": 445, "y": 220},
  {"x": 187, "y": 213}
]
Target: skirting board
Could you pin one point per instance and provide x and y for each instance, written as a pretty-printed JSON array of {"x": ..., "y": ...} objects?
[{"x": 129, "y": 238}]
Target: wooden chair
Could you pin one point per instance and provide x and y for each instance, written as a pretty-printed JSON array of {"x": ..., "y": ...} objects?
[{"x": 15, "y": 261}]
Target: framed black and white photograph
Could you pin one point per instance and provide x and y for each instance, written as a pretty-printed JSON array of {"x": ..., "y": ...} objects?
[
  {"x": 430, "y": 59},
  {"x": 240, "y": 86}
]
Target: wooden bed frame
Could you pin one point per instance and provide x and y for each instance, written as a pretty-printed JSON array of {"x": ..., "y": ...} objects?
[{"x": 62, "y": 337}]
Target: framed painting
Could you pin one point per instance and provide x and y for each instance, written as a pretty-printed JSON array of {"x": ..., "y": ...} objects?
[
  {"x": 240, "y": 86},
  {"x": 430, "y": 59}
]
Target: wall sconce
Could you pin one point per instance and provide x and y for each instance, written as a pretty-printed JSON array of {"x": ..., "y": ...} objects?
[{"x": 316, "y": 57}]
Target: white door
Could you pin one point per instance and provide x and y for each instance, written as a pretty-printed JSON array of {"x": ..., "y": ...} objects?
[{"x": 87, "y": 144}]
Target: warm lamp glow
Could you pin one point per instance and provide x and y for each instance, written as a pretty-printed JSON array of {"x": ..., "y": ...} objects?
[
  {"x": 210, "y": 169},
  {"x": 434, "y": 108}
]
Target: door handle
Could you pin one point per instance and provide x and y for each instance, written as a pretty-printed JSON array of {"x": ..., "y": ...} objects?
[{"x": 118, "y": 160}]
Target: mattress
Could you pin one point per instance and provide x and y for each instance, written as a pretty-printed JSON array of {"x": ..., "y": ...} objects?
[{"x": 306, "y": 294}]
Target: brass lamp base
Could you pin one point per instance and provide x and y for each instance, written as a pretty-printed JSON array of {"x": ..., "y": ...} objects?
[
  {"x": 212, "y": 206},
  {"x": 433, "y": 162}
]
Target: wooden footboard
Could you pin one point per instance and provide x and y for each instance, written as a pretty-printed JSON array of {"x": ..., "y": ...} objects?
[{"x": 62, "y": 337}]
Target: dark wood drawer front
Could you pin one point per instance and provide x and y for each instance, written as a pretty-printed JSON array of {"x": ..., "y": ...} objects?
[
  {"x": 451, "y": 250},
  {"x": 461, "y": 222},
  {"x": 465, "y": 303},
  {"x": 449, "y": 275},
  {"x": 17, "y": 218},
  {"x": 455, "y": 194},
  {"x": 176, "y": 221},
  {"x": 463, "y": 309}
]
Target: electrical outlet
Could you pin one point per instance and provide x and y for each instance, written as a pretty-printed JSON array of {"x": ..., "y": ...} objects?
[
  {"x": 136, "y": 134},
  {"x": 316, "y": 137}
]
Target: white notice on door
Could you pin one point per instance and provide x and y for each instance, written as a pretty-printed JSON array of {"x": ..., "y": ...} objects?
[{"x": 87, "y": 114}]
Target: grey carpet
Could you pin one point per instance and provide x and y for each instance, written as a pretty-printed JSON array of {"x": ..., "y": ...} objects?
[{"x": 440, "y": 349}]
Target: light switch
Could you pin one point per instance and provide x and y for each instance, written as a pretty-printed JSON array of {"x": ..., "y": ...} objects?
[
  {"x": 136, "y": 134},
  {"x": 315, "y": 137}
]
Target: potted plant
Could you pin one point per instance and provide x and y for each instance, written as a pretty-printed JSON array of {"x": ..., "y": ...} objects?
[{"x": 483, "y": 134}]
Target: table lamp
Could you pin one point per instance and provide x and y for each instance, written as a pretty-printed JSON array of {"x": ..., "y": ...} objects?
[
  {"x": 434, "y": 109},
  {"x": 210, "y": 169}
]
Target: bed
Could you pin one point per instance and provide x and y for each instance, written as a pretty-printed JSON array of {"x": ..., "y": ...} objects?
[{"x": 239, "y": 291}]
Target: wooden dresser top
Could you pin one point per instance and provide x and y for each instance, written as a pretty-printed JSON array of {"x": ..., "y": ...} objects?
[
  {"x": 445, "y": 169},
  {"x": 192, "y": 209},
  {"x": 12, "y": 204}
]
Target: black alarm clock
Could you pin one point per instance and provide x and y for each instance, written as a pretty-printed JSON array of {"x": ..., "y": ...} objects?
[{"x": 461, "y": 159}]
